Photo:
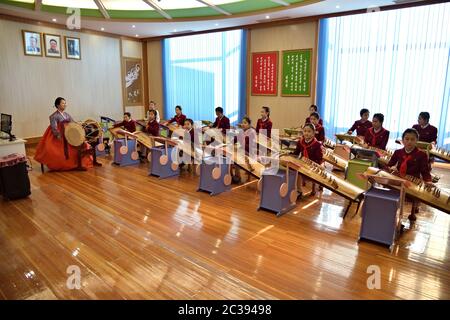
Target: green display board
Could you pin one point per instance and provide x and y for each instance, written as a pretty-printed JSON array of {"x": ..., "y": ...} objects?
[{"x": 296, "y": 80}]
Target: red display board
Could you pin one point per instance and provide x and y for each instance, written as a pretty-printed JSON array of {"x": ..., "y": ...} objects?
[{"x": 265, "y": 73}]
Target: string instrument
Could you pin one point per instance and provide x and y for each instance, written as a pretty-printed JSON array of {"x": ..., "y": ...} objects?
[
  {"x": 252, "y": 166},
  {"x": 327, "y": 143},
  {"x": 336, "y": 161},
  {"x": 385, "y": 157},
  {"x": 346, "y": 137},
  {"x": 440, "y": 153},
  {"x": 418, "y": 189},
  {"x": 293, "y": 132},
  {"x": 328, "y": 180}
]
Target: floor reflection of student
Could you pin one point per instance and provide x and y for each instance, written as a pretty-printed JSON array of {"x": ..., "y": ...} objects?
[{"x": 310, "y": 148}]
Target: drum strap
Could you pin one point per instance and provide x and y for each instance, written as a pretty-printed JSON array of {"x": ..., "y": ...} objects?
[{"x": 65, "y": 145}]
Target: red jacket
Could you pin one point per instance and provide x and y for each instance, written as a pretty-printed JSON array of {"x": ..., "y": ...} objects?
[
  {"x": 264, "y": 125},
  {"x": 178, "y": 119},
  {"x": 378, "y": 140},
  {"x": 130, "y": 126},
  {"x": 311, "y": 150},
  {"x": 427, "y": 134},
  {"x": 414, "y": 164},
  {"x": 153, "y": 128},
  {"x": 223, "y": 124},
  {"x": 308, "y": 120},
  {"x": 361, "y": 127},
  {"x": 320, "y": 133}
]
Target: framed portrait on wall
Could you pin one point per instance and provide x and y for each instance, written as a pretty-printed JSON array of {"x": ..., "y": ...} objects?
[
  {"x": 73, "y": 48},
  {"x": 132, "y": 82},
  {"x": 52, "y": 45},
  {"x": 32, "y": 43}
]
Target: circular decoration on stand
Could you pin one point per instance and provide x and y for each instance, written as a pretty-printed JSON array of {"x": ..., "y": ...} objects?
[
  {"x": 216, "y": 173},
  {"x": 174, "y": 166},
  {"x": 283, "y": 190},
  {"x": 163, "y": 160},
  {"x": 134, "y": 155},
  {"x": 101, "y": 147},
  {"x": 123, "y": 150},
  {"x": 227, "y": 179},
  {"x": 293, "y": 196}
]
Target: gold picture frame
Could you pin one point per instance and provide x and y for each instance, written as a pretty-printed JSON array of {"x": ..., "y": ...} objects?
[
  {"x": 73, "y": 47},
  {"x": 51, "y": 50},
  {"x": 30, "y": 48}
]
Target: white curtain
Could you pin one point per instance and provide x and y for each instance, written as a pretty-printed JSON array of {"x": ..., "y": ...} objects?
[
  {"x": 393, "y": 62},
  {"x": 202, "y": 72}
]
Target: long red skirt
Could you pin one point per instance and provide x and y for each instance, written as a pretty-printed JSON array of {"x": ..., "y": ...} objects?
[{"x": 50, "y": 151}]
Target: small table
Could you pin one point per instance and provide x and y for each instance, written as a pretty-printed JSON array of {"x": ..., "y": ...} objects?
[{"x": 7, "y": 147}]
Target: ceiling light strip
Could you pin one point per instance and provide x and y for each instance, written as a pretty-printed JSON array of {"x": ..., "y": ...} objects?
[
  {"x": 283, "y": 3},
  {"x": 212, "y": 6},
  {"x": 102, "y": 9},
  {"x": 152, "y": 4},
  {"x": 37, "y": 5}
]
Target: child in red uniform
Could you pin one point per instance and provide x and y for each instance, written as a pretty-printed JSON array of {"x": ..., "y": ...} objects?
[
  {"x": 309, "y": 147},
  {"x": 264, "y": 124},
  {"x": 152, "y": 127},
  {"x": 411, "y": 161},
  {"x": 320, "y": 130},
  {"x": 361, "y": 126},
  {"x": 248, "y": 138},
  {"x": 221, "y": 121},
  {"x": 127, "y": 123},
  {"x": 189, "y": 127},
  {"x": 179, "y": 117},
  {"x": 312, "y": 109},
  {"x": 377, "y": 136},
  {"x": 427, "y": 132}
]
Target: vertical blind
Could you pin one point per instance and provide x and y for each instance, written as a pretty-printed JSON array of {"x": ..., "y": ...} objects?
[
  {"x": 394, "y": 62},
  {"x": 202, "y": 72}
]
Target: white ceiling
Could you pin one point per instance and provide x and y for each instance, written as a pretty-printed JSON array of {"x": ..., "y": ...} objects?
[{"x": 155, "y": 29}]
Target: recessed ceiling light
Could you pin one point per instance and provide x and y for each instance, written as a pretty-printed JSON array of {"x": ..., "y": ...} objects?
[
  {"x": 267, "y": 17},
  {"x": 137, "y": 35},
  {"x": 216, "y": 24},
  {"x": 133, "y": 26},
  {"x": 103, "y": 29},
  {"x": 54, "y": 19},
  {"x": 338, "y": 7},
  {"x": 174, "y": 30}
]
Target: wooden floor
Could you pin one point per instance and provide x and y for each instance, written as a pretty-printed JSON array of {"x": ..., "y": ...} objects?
[{"x": 138, "y": 237}]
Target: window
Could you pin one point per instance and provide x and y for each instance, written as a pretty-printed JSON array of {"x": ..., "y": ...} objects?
[
  {"x": 205, "y": 71},
  {"x": 394, "y": 62}
]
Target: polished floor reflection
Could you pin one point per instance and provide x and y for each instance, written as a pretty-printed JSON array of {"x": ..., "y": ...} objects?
[{"x": 138, "y": 237}]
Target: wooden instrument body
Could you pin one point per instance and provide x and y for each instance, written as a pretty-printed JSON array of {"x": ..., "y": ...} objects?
[
  {"x": 440, "y": 153},
  {"x": 346, "y": 137},
  {"x": 335, "y": 160},
  {"x": 416, "y": 188},
  {"x": 328, "y": 180}
]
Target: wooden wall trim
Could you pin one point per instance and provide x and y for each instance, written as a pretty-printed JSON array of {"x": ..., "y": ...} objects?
[
  {"x": 315, "y": 65},
  {"x": 300, "y": 20},
  {"x": 122, "y": 72},
  {"x": 63, "y": 27}
]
